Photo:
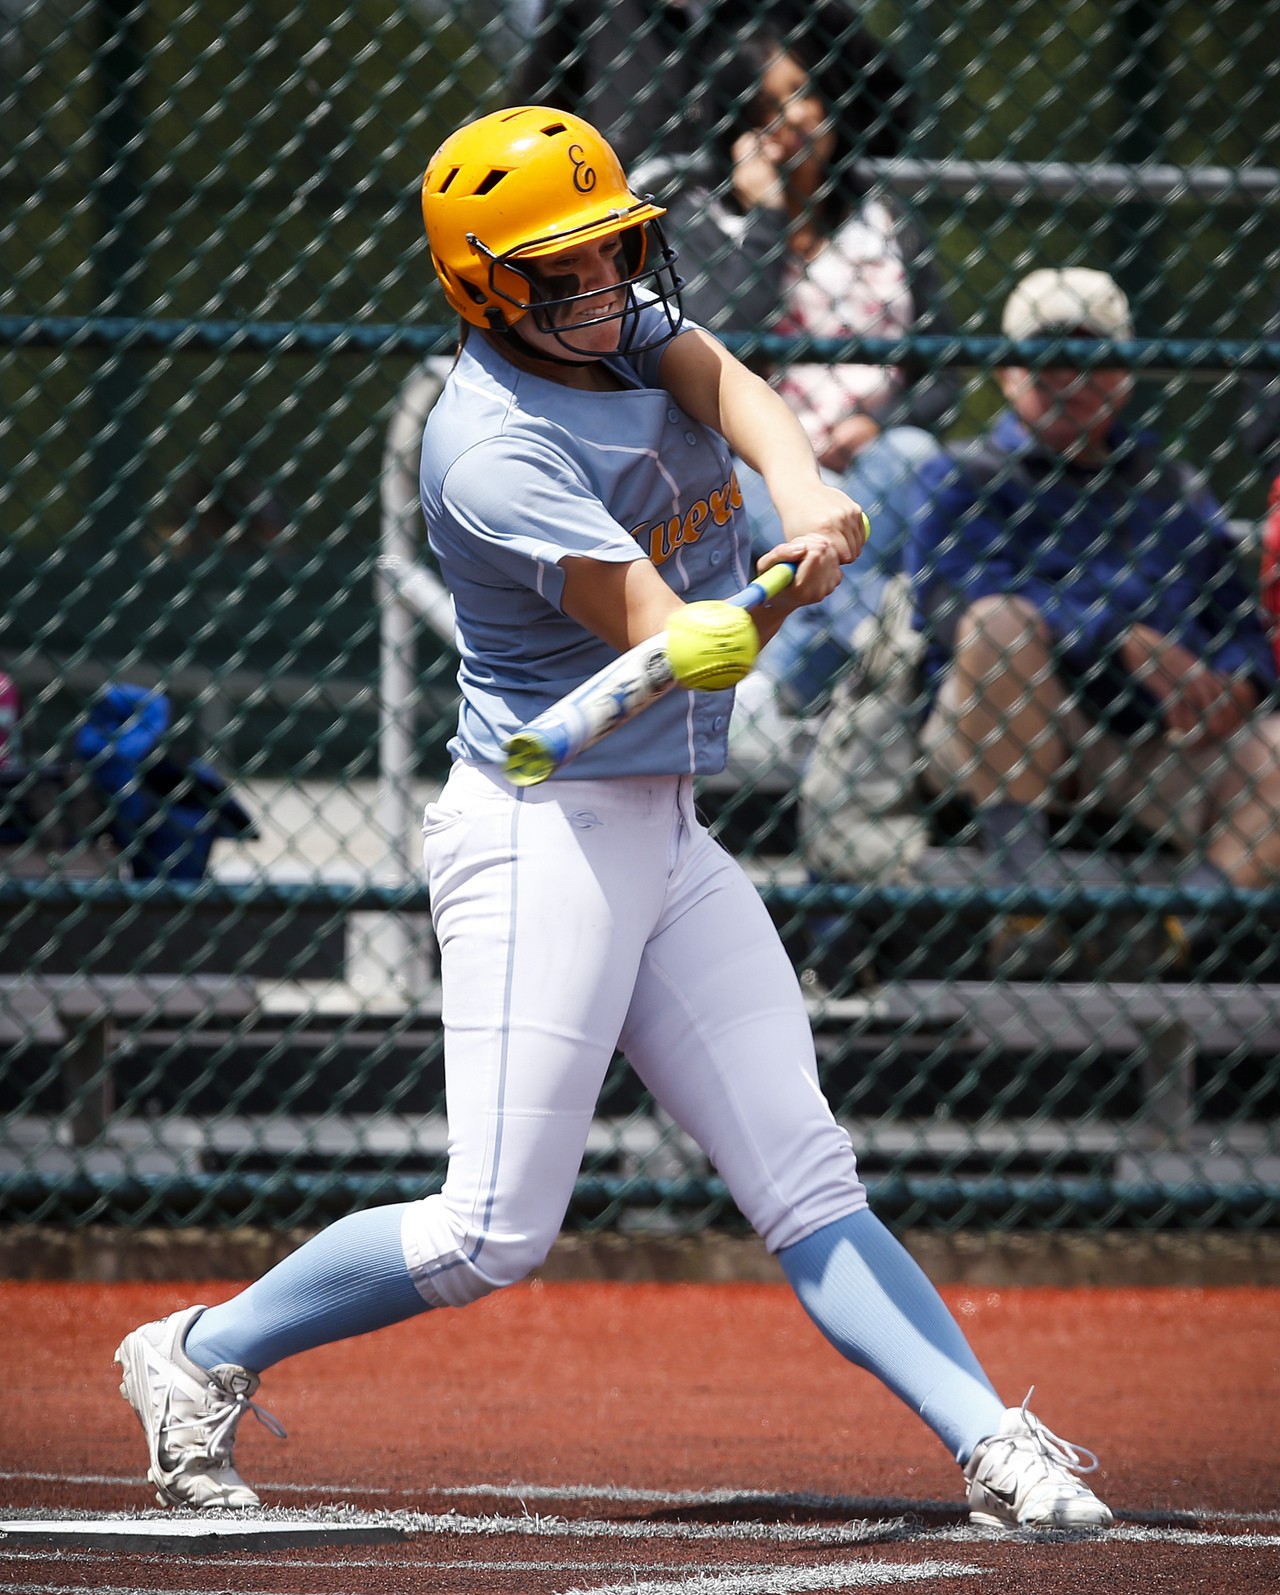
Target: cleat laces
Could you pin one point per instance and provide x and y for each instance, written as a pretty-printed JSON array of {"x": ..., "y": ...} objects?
[
  {"x": 216, "y": 1425},
  {"x": 1061, "y": 1452}
]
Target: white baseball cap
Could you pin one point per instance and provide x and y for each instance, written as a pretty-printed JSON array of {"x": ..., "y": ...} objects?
[{"x": 1071, "y": 299}]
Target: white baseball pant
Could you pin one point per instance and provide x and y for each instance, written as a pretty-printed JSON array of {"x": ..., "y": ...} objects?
[{"x": 578, "y": 917}]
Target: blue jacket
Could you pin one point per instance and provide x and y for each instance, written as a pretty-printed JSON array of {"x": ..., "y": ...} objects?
[{"x": 1094, "y": 551}]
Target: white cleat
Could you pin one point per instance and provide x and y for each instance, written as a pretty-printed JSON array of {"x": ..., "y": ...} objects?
[
  {"x": 189, "y": 1415},
  {"x": 1024, "y": 1477}
]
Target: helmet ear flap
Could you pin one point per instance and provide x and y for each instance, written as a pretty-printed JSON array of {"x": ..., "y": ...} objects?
[
  {"x": 514, "y": 290},
  {"x": 461, "y": 294}
]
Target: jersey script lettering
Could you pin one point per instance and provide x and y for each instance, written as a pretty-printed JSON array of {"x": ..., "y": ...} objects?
[{"x": 663, "y": 538}]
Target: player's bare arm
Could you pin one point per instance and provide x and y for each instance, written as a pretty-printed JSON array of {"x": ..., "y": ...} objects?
[
  {"x": 718, "y": 390},
  {"x": 623, "y": 602}
]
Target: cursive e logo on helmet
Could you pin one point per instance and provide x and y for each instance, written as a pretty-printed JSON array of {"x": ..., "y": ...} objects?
[{"x": 584, "y": 177}]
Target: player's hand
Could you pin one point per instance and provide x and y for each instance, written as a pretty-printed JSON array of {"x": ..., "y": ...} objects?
[
  {"x": 1197, "y": 702},
  {"x": 816, "y": 510},
  {"x": 825, "y": 530},
  {"x": 818, "y": 566}
]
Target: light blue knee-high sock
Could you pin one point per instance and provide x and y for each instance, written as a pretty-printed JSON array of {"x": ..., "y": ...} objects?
[
  {"x": 876, "y": 1306},
  {"x": 347, "y": 1280}
]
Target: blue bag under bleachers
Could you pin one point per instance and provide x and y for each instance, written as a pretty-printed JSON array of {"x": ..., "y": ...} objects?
[{"x": 166, "y": 809}]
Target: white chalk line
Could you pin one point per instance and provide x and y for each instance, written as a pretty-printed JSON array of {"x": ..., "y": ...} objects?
[
  {"x": 299, "y": 1562},
  {"x": 106, "y": 1589},
  {"x": 756, "y": 1579},
  {"x": 722, "y": 1495},
  {"x": 1128, "y": 1533},
  {"x": 765, "y": 1581},
  {"x": 784, "y": 1581},
  {"x": 597, "y": 1566},
  {"x": 515, "y": 1490},
  {"x": 863, "y": 1532},
  {"x": 745, "y": 1581}
]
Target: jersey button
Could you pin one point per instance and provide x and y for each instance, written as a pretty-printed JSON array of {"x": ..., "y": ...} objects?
[
  {"x": 673, "y": 415},
  {"x": 690, "y": 438},
  {"x": 719, "y": 723},
  {"x": 716, "y": 556}
]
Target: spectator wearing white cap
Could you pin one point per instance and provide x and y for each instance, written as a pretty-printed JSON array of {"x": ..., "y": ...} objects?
[{"x": 1089, "y": 641}]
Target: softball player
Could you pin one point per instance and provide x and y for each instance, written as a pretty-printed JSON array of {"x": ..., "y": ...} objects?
[{"x": 578, "y": 489}]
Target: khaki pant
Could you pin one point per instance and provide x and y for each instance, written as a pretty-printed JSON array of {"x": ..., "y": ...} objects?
[{"x": 1163, "y": 784}]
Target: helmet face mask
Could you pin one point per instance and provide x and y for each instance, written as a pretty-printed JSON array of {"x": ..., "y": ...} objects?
[
  {"x": 519, "y": 187},
  {"x": 646, "y": 261}
]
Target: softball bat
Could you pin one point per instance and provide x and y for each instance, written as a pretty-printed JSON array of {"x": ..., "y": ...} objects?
[{"x": 612, "y": 696}]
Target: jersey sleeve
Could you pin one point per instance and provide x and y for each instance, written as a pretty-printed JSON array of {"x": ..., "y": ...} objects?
[
  {"x": 650, "y": 324},
  {"x": 514, "y": 509}
]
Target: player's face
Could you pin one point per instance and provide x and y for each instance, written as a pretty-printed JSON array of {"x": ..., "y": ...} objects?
[
  {"x": 588, "y": 276},
  {"x": 1069, "y": 411}
]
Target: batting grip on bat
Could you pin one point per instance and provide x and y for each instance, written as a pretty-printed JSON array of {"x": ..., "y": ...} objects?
[{"x": 613, "y": 695}]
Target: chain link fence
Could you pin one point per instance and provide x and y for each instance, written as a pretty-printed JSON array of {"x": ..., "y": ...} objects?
[{"x": 228, "y": 661}]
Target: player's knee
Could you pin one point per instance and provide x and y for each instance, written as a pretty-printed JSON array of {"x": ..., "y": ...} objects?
[
  {"x": 454, "y": 1264},
  {"x": 816, "y": 1183},
  {"x": 813, "y": 1210}
]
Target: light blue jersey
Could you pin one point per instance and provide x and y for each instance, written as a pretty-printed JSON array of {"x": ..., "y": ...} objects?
[{"x": 517, "y": 473}]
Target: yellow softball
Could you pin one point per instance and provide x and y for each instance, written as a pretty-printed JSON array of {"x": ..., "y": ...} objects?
[{"x": 711, "y": 645}]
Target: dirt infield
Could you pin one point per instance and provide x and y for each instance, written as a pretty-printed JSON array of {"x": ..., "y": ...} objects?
[{"x": 649, "y": 1439}]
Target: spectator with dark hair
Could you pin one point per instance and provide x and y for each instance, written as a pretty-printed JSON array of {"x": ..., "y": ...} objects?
[{"x": 797, "y": 242}]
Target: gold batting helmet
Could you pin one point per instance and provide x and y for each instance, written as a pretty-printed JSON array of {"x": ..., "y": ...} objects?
[{"x": 525, "y": 183}]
